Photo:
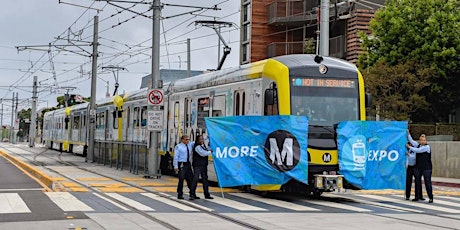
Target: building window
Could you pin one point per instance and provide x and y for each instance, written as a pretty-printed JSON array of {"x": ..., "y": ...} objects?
[
  {"x": 247, "y": 12},
  {"x": 245, "y": 53}
]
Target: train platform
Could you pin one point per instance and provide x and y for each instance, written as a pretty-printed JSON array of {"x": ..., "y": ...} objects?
[{"x": 41, "y": 164}]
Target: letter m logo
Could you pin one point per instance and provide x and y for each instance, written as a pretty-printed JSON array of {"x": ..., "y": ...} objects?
[{"x": 286, "y": 156}]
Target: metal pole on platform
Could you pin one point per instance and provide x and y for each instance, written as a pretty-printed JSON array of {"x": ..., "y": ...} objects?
[
  {"x": 324, "y": 29},
  {"x": 33, "y": 115},
  {"x": 92, "y": 104}
]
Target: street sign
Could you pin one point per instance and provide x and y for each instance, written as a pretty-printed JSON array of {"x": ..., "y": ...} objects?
[
  {"x": 155, "y": 97},
  {"x": 155, "y": 120}
]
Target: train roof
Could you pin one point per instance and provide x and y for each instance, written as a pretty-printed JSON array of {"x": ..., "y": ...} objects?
[{"x": 295, "y": 61}]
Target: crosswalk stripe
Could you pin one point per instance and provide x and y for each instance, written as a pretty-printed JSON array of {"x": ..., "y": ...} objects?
[
  {"x": 67, "y": 202},
  {"x": 197, "y": 206},
  {"x": 130, "y": 202},
  {"x": 12, "y": 203},
  {"x": 451, "y": 198},
  {"x": 169, "y": 202},
  {"x": 410, "y": 203},
  {"x": 274, "y": 202},
  {"x": 234, "y": 204},
  {"x": 373, "y": 203},
  {"x": 448, "y": 203},
  {"x": 336, "y": 205},
  {"x": 112, "y": 202}
]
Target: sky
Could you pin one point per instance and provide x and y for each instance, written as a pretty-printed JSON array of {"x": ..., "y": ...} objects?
[{"x": 53, "y": 38}]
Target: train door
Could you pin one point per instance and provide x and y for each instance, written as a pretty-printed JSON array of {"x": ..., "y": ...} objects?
[
  {"x": 218, "y": 106},
  {"x": 126, "y": 120},
  {"x": 83, "y": 128},
  {"x": 239, "y": 98}
]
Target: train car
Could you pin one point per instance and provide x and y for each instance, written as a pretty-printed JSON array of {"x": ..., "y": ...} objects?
[
  {"x": 327, "y": 90},
  {"x": 65, "y": 128}
]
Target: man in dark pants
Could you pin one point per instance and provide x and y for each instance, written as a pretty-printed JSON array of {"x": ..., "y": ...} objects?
[
  {"x": 182, "y": 165},
  {"x": 423, "y": 167},
  {"x": 409, "y": 172},
  {"x": 200, "y": 166}
]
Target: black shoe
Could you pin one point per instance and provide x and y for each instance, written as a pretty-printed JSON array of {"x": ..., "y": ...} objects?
[
  {"x": 430, "y": 201},
  {"x": 422, "y": 198},
  {"x": 415, "y": 199},
  {"x": 407, "y": 198},
  {"x": 180, "y": 197},
  {"x": 209, "y": 197},
  {"x": 191, "y": 198},
  {"x": 194, "y": 197}
]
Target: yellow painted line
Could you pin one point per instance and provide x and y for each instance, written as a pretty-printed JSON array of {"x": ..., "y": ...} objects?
[
  {"x": 69, "y": 184},
  {"x": 153, "y": 184},
  {"x": 172, "y": 179},
  {"x": 132, "y": 179},
  {"x": 58, "y": 179},
  {"x": 165, "y": 189},
  {"x": 93, "y": 179},
  {"x": 78, "y": 189},
  {"x": 41, "y": 178},
  {"x": 116, "y": 185},
  {"x": 131, "y": 189}
]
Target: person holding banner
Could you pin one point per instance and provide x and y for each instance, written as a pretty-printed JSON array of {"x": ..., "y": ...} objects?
[
  {"x": 423, "y": 167},
  {"x": 410, "y": 165},
  {"x": 182, "y": 165},
  {"x": 200, "y": 165}
]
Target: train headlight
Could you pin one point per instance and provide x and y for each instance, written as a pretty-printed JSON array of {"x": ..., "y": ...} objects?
[
  {"x": 319, "y": 182},
  {"x": 340, "y": 182},
  {"x": 322, "y": 69}
]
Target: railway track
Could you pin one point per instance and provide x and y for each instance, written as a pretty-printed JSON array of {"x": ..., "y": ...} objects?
[{"x": 45, "y": 159}]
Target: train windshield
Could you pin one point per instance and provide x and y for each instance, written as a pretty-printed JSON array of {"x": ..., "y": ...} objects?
[{"x": 325, "y": 101}]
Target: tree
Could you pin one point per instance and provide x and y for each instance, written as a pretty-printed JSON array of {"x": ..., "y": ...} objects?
[
  {"x": 396, "y": 89},
  {"x": 427, "y": 34}
]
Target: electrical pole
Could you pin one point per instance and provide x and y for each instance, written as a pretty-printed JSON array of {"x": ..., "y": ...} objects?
[
  {"x": 33, "y": 115},
  {"x": 189, "y": 62},
  {"x": 15, "y": 117},
  {"x": 92, "y": 104},
  {"x": 12, "y": 120},
  {"x": 153, "y": 148},
  {"x": 324, "y": 29},
  {"x": 2, "y": 121}
]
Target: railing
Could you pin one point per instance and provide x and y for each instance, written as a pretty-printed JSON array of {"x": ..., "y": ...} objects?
[
  {"x": 336, "y": 48},
  {"x": 122, "y": 155}
]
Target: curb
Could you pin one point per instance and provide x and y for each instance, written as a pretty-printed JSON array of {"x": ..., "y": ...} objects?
[
  {"x": 445, "y": 184},
  {"x": 39, "y": 176}
]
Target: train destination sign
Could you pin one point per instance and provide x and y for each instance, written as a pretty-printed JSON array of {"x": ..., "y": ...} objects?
[{"x": 317, "y": 82}]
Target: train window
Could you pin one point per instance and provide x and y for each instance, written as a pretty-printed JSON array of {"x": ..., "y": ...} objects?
[
  {"x": 115, "y": 119},
  {"x": 202, "y": 112},
  {"x": 66, "y": 120},
  {"x": 218, "y": 108},
  {"x": 237, "y": 103},
  {"x": 84, "y": 121},
  {"x": 144, "y": 116},
  {"x": 136, "y": 117},
  {"x": 126, "y": 114},
  {"x": 76, "y": 122},
  {"x": 188, "y": 112},
  {"x": 271, "y": 100},
  {"x": 176, "y": 114},
  {"x": 100, "y": 121},
  {"x": 243, "y": 103}
]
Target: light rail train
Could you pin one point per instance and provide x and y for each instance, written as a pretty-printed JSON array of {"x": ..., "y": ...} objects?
[{"x": 327, "y": 90}]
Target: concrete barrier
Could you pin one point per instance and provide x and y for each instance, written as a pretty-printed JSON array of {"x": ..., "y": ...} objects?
[{"x": 446, "y": 158}]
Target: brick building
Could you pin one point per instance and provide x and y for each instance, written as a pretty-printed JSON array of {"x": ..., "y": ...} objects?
[{"x": 277, "y": 27}]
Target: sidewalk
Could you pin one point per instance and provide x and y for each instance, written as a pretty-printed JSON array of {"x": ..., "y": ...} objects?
[{"x": 446, "y": 182}]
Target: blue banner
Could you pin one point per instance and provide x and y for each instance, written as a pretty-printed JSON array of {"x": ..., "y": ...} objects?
[
  {"x": 372, "y": 154},
  {"x": 257, "y": 150}
]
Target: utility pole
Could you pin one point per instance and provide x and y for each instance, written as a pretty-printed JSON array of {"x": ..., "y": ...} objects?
[
  {"x": 324, "y": 29},
  {"x": 189, "y": 62},
  {"x": 153, "y": 148},
  {"x": 12, "y": 120},
  {"x": 33, "y": 115},
  {"x": 15, "y": 117},
  {"x": 92, "y": 104}
]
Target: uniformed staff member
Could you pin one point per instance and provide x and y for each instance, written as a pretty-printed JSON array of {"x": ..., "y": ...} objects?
[
  {"x": 410, "y": 165},
  {"x": 182, "y": 165},
  {"x": 200, "y": 165},
  {"x": 423, "y": 167}
]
